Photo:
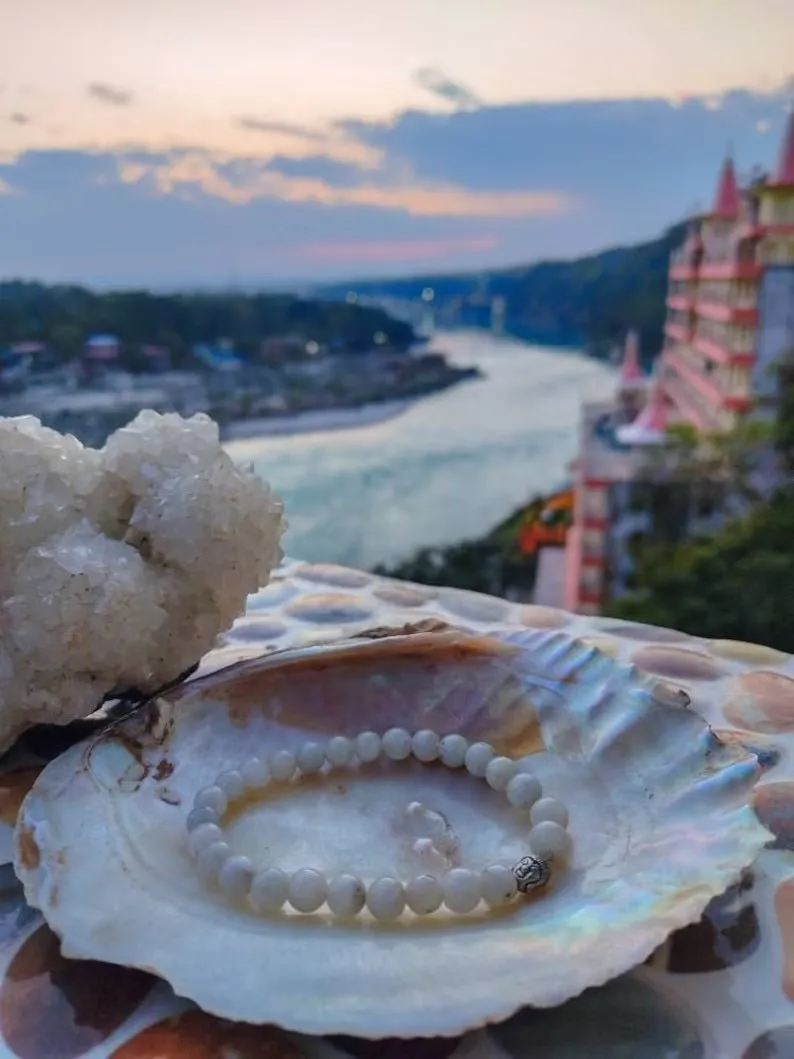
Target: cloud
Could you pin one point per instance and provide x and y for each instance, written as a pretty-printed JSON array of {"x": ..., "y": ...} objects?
[
  {"x": 285, "y": 128},
  {"x": 115, "y": 97},
  {"x": 330, "y": 171},
  {"x": 437, "y": 82},
  {"x": 20, "y": 119},
  {"x": 453, "y": 190},
  {"x": 397, "y": 250},
  {"x": 56, "y": 229},
  {"x": 633, "y": 165},
  {"x": 240, "y": 181}
]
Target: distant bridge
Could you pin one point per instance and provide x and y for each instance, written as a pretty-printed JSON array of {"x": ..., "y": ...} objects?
[{"x": 425, "y": 316}]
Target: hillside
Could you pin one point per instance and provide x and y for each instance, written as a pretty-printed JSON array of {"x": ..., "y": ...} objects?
[
  {"x": 589, "y": 302},
  {"x": 62, "y": 316}
]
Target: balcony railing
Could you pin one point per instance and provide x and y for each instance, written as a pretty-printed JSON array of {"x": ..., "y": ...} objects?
[
  {"x": 683, "y": 270},
  {"x": 677, "y": 332},
  {"x": 719, "y": 353},
  {"x": 730, "y": 269},
  {"x": 728, "y": 312},
  {"x": 703, "y": 385},
  {"x": 689, "y": 409}
]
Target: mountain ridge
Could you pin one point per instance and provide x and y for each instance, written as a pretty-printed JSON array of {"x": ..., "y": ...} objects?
[{"x": 590, "y": 301}]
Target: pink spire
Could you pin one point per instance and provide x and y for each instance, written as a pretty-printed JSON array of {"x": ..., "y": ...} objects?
[
  {"x": 727, "y": 200},
  {"x": 630, "y": 370},
  {"x": 650, "y": 426},
  {"x": 784, "y": 173},
  {"x": 655, "y": 416}
]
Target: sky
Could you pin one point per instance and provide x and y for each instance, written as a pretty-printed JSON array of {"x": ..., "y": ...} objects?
[{"x": 197, "y": 142}]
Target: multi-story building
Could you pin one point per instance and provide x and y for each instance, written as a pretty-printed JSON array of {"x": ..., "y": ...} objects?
[
  {"x": 730, "y": 318},
  {"x": 730, "y": 305},
  {"x": 602, "y": 462}
]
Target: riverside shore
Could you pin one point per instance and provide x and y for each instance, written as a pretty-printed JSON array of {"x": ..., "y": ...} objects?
[
  {"x": 334, "y": 393},
  {"x": 318, "y": 421}
]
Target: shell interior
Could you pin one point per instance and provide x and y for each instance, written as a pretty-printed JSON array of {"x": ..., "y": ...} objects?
[{"x": 660, "y": 819}]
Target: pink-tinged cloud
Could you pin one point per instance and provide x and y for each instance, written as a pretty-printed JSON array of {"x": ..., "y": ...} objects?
[
  {"x": 200, "y": 170},
  {"x": 396, "y": 250}
]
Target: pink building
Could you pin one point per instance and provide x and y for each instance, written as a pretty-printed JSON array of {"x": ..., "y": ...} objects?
[
  {"x": 730, "y": 317},
  {"x": 602, "y": 462},
  {"x": 730, "y": 305}
]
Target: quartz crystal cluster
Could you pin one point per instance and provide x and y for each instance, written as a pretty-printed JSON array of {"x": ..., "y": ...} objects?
[{"x": 120, "y": 566}]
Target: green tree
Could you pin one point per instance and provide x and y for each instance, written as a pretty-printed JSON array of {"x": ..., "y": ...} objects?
[
  {"x": 67, "y": 338},
  {"x": 64, "y": 316},
  {"x": 722, "y": 463},
  {"x": 739, "y": 582}
]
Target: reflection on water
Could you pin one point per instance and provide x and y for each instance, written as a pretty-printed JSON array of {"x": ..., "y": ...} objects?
[{"x": 448, "y": 468}]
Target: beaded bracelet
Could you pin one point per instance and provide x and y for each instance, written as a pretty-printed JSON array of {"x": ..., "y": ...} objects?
[{"x": 306, "y": 890}]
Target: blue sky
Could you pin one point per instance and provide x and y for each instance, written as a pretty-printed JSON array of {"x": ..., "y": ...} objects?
[{"x": 271, "y": 146}]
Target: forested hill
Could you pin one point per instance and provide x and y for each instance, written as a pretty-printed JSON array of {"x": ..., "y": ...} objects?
[
  {"x": 591, "y": 301},
  {"x": 64, "y": 315}
]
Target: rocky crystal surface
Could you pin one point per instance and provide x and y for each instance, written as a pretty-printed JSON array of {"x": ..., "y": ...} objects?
[{"x": 120, "y": 566}]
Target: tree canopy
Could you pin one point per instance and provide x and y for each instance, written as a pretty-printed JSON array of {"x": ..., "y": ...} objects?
[
  {"x": 64, "y": 315},
  {"x": 736, "y": 585}
]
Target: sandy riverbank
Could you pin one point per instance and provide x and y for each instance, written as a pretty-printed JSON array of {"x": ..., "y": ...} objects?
[{"x": 319, "y": 421}]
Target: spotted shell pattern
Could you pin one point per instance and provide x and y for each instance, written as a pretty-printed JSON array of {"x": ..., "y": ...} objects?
[{"x": 722, "y": 988}]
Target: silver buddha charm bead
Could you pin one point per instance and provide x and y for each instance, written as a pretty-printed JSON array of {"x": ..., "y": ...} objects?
[{"x": 531, "y": 873}]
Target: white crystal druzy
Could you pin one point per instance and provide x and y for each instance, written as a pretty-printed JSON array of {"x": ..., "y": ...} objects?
[{"x": 119, "y": 566}]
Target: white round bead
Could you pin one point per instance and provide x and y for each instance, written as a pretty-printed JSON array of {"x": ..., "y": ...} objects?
[
  {"x": 498, "y": 885},
  {"x": 231, "y": 783},
  {"x": 211, "y": 859},
  {"x": 424, "y": 894},
  {"x": 340, "y": 751},
  {"x": 346, "y": 895},
  {"x": 306, "y": 890},
  {"x": 396, "y": 744},
  {"x": 461, "y": 890},
  {"x": 385, "y": 898},
  {"x": 424, "y": 745},
  {"x": 478, "y": 757},
  {"x": 499, "y": 772},
  {"x": 310, "y": 757},
  {"x": 254, "y": 773},
  {"x": 196, "y": 817},
  {"x": 453, "y": 750},
  {"x": 202, "y": 836},
  {"x": 282, "y": 765},
  {"x": 523, "y": 790},
  {"x": 269, "y": 890},
  {"x": 548, "y": 839},
  {"x": 235, "y": 877},
  {"x": 549, "y": 809},
  {"x": 211, "y": 798},
  {"x": 368, "y": 746}
]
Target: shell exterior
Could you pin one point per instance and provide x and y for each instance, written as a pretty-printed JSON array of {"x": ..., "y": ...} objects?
[{"x": 660, "y": 817}]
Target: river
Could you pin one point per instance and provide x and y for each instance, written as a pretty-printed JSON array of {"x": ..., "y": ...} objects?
[{"x": 450, "y": 467}]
